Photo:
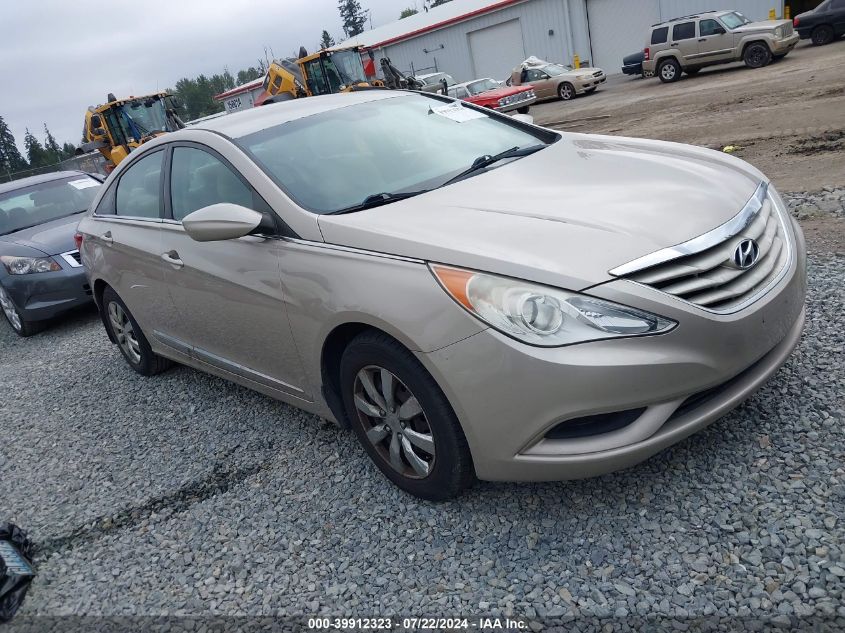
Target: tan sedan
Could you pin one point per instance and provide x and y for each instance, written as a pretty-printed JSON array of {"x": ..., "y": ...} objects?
[
  {"x": 473, "y": 295},
  {"x": 555, "y": 81}
]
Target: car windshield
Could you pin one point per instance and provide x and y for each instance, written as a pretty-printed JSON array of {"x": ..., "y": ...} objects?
[
  {"x": 44, "y": 202},
  {"x": 734, "y": 20},
  {"x": 142, "y": 117},
  {"x": 556, "y": 69},
  {"x": 482, "y": 85},
  {"x": 348, "y": 66},
  {"x": 334, "y": 160}
]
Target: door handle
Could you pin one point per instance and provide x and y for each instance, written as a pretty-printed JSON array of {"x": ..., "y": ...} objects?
[
  {"x": 703, "y": 39},
  {"x": 674, "y": 45},
  {"x": 172, "y": 258},
  {"x": 107, "y": 238}
]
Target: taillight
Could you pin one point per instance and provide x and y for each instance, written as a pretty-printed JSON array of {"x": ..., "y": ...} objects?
[
  {"x": 795, "y": 22},
  {"x": 646, "y": 54},
  {"x": 77, "y": 238}
]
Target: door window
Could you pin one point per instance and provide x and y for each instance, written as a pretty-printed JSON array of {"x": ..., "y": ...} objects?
[
  {"x": 198, "y": 179},
  {"x": 710, "y": 27},
  {"x": 536, "y": 75},
  {"x": 685, "y": 31},
  {"x": 658, "y": 36},
  {"x": 139, "y": 189}
]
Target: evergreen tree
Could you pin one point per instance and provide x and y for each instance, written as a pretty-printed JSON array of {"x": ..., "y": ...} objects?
[
  {"x": 406, "y": 13},
  {"x": 352, "y": 16},
  {"x": 35, "y": 152},
  {"x": 10, "y": 156},
  {"x": 68, "y": 150},
  {"x": 51, "y": 147},
  {"x": 326, "y": 40}
]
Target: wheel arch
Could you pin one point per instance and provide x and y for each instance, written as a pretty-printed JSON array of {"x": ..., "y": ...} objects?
[
  {"x": 763, "y": 41},
  {"x": 99, "y": 287}
]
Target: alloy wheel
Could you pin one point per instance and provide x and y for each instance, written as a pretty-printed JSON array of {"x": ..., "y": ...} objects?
[
  {"x": 566, "y": 92},
  {"x": 667, "y": 71},
  {"x": 10, "y": 311},
  {"x": 394, "y": 422},
  {"x": 124, "y": 332}
]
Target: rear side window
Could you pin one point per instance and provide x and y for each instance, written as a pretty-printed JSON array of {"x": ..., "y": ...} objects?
[
  {"x": 684, "y": 31},
  {"x": 198, "y": 179},
  {"x": 658, "y": 36},
  {"x": 139, "y": 189}
]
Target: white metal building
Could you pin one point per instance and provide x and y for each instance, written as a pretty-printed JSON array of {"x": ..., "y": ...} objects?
[{"x": 486, "y": 38}]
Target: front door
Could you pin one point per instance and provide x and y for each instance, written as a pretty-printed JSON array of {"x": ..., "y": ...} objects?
[
  {"x": 714, "y": 42},
  {"x": 228, "y": 293}
]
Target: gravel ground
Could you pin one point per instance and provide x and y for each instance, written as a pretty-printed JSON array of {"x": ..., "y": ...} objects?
[{"x": 184, "y": 494}]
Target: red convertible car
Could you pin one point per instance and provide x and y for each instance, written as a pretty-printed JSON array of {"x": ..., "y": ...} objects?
[{"x": 490, "y": 93}]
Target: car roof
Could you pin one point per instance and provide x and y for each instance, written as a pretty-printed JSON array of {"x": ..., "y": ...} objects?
[
  {"x": 694, "y": 16},
  {"x": 472, "y": 81},
  {"x": 260, "y": 118},
  {"x": 37, "y": 180}
]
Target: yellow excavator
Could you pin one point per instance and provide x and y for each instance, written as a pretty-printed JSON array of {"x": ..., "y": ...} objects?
[
  {"x": 120, "y": 125},
  {"x": 329, "y": 71}
]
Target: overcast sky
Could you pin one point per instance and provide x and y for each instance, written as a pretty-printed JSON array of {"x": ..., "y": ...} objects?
[{"x": 57, "y": 57}]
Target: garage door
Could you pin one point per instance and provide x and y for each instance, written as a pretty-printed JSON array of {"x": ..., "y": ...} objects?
[
  {"x": 496, "y": 50},
  {"x": 618, "y": 29}
]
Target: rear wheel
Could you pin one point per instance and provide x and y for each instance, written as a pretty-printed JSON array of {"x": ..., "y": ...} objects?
[
  {"x": 669, "y": 70},
  {"x": 757, "y": 55},
  {"x": 566, "y": 91},
  {"x": 402, "y": 418},
  {"x": 130, "y": 339},
  {"x": 21, "y": 326},
  {"x": 648, "y": 74},
  {"x": 822, "y": 35}
]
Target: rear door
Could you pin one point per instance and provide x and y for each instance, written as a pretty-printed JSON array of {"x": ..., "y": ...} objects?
[
  {"x": 685, "y": 41},
  {"x": 231, "y": 313},
  {"x": 124, "y": 242}
]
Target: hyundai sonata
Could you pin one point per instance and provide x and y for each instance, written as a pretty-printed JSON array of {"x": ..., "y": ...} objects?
[{"x": 473, "y": 295}]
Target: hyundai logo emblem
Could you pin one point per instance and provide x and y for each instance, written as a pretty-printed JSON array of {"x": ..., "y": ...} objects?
[{"x": 746, "y": 254}]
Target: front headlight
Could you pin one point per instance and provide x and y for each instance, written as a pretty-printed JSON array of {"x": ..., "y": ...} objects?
[
  {"x": 29, "y": 265},
  {"x": 779, "y": 32},
  {"x": 584, "y": 77},
  {"x": 541, "y": 315}
]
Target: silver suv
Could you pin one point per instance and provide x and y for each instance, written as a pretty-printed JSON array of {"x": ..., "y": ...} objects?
[{"x": 690, "y": 43}]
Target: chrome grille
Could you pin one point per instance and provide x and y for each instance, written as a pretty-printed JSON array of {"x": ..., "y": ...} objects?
[
  {"x": 787, "y": 30},
  {"x": 73, "y": 258},
  {"x": 703, "y": 271},
  {"x": 598, "y": 74}
]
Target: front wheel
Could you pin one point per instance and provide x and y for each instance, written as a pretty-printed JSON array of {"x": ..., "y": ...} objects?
[
  {"x": 566, "y": 91},
  {"x": 402, "y": 418},
  {"x": 669, "y": 70},
  {"x": 757, "y": 55},
  {"x": 822, "y": 35},
  {"x": 129, "y": 337},
  {"x": 21, "y": 326}
]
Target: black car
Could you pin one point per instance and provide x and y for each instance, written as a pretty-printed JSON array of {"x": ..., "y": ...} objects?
[
  {"x": 633, "y": 64},
  {"x": 823, "y": 24},
  {"x": 41, "y": 274}
]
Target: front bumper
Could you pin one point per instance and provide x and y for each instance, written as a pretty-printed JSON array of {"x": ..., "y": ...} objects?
[
  {"x": 780, "y": 47},
  {"x": 517, "y": 105},
  {"x": 42, "y": 296},
  {"x": 633, "y": 69},
  {"x": 509, "y": 395},
  {"x": 587, "y": 84}
]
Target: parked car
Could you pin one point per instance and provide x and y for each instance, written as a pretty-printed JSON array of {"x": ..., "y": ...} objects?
[
  {"x": 41, "y": 274},
  {"x": 471, "y": 294},
  {"x": 492, "y": 94},
  {"x": 633, "y": 64},
  {"x": 433, "y": 82},
  {"x": 693, "y": 42},
  {"x": 552, "y": 81},
  {"x": 823, "y": 24}
]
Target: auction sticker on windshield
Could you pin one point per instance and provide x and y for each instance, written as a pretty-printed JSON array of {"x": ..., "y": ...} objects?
[
  {"x": 84, "y": 183},
  {"x": 456, "y": 112}
]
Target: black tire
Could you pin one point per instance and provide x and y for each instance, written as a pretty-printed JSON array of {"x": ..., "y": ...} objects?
[
  {"x": 822, "y": 34},
  {"x": 566, "y": 91},
  {"x": 757, "y": 55},
  {"x": 19, "y": 325},
  {"x": 451, "y": 468},
  {"x": 669, "y": 70},
  {"x": 522, "y": 110},
  {"x": 147, "y": 362},
  {"x": 692, "y": 72}
]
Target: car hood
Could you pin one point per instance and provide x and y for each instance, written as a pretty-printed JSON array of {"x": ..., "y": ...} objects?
[
  {"x": 50, "y": 238},
  {"x": 565, "y": 215},
  {"x": 764, "y": 25},
  {"x": 579, "y": 71},
  {"x": 504, "y": 91}
]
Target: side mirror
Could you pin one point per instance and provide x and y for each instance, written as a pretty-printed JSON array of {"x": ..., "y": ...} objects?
[
  {"x": 524, "y": 118},
  {"x": 96, "y": 121},
  {"x": 222, "y": 221}
]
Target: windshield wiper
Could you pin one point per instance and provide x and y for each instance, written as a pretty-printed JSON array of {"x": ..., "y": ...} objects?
[
  {"x": 483, "y": 162},
  {"x": 377, "y": 200}
]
